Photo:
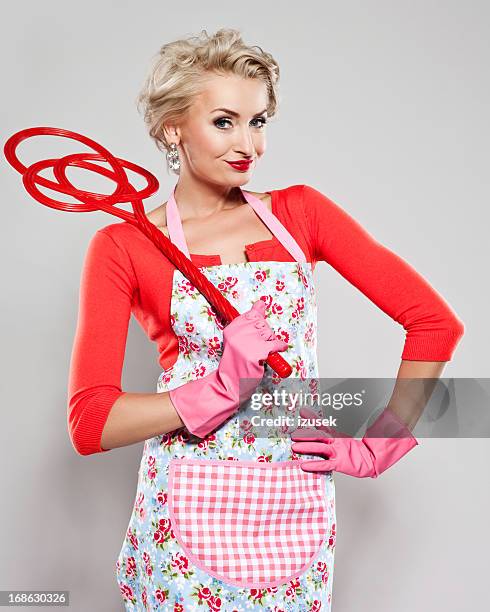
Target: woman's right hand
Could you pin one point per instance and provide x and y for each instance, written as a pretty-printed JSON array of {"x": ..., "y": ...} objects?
[
  {"x": 250, "y": 338},
  {"x": 205, "y": 403}
]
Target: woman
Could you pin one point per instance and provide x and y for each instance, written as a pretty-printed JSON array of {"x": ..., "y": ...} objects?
[{"x": 217, "y": 513}]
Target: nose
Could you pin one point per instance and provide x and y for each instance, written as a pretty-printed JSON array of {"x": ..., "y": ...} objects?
[{"x": 244, "y": 144}]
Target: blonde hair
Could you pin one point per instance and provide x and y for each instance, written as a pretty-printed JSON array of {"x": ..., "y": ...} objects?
[{"x": 179, "y": 70}]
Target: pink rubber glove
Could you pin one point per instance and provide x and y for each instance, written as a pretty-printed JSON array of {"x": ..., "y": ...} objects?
[
  {"x": 364, "y": 458},
  {"x": 205, "y": 403}
]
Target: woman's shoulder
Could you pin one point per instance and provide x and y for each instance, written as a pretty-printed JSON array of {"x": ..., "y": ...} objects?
[
  {"x": 125, "y": 234},
  {"x": 118, "y": 233},
  {"x": 281, "y": 197},
  {"x": 125, "y": 230},
  {"x": 289, "y": 190},
  {"x": 287, "y": 200}
]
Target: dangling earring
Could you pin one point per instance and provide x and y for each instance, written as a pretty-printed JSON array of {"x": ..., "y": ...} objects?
[{"x": 173, "y": 157}]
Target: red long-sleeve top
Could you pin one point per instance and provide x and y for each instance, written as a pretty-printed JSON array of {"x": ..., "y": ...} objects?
[{"x": 125, "y": 273}]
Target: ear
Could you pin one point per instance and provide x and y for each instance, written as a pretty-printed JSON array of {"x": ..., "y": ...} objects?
[{"x": 171, "y": 132}]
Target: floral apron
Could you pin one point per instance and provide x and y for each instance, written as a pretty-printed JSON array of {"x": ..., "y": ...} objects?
[{"x": 231, "y": 522}]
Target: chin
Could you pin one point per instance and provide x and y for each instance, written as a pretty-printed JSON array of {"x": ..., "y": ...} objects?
[
  {"x": 244, "y": 180},
  {"x": 239, "y": 180}
]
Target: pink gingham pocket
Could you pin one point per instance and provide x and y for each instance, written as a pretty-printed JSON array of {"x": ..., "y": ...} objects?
[{"x": 248, "y": 523}]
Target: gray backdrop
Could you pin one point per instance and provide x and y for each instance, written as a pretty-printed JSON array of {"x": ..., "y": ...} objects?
[{"x": 385, "y": 110}]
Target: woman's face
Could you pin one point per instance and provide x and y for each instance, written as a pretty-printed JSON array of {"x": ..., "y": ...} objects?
[{"x": 210, "y": 138}]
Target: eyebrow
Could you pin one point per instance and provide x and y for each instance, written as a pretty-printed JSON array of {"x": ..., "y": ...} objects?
[{"x": 235, "y": 114}]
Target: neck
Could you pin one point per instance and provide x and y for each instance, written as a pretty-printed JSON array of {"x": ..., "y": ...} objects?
[{"x": 199, "y": 200}]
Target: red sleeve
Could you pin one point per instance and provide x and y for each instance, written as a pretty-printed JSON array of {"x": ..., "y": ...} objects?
[
  {"x": 97, "y": 358},
  {"x": 433, "y": 329}
]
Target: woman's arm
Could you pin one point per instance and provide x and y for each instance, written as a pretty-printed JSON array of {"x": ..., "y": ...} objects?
[
  {"x": 100, "y": 415},
  {"x": 433, "y": 329},
  {"x": 410, "y": 394},
  {"x": 135, "y": 417}
]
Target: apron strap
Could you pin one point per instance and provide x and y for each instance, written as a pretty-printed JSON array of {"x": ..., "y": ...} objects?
[
  {"x": 276, "y": 227},
  {"x": 176, "y": 232},
  {"x": 174, "y": 225}
]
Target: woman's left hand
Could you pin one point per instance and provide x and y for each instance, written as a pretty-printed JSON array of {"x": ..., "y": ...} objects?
[{"x": 364, "y": 458}]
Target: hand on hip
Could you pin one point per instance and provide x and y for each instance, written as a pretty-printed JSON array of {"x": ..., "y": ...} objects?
[{"x": 384, "y": 443}]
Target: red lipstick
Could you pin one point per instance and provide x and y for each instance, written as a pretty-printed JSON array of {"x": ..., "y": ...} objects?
[{"x": 242, "y": 165}]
